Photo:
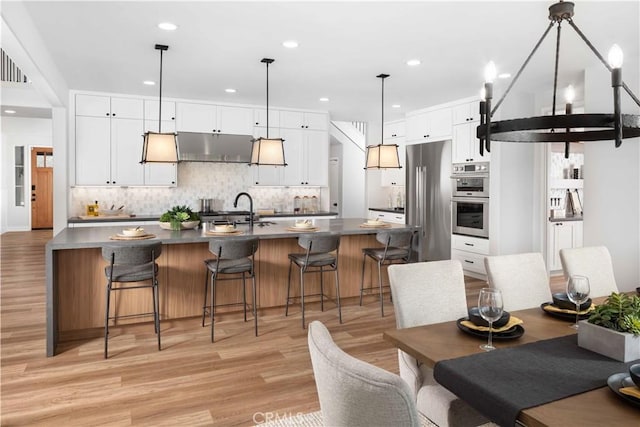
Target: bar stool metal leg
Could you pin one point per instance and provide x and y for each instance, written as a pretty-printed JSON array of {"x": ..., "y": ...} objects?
[
  {"x": 321, "y": 289},
  {"x": 364, "y": 260},
  {"x": 286, "y": 312},
  {"x": 255, "y": 303},
  {"x": 213, "y": 301},
  {"x": 380, "y": 286},
  {"x": 106, "y": 320},
  {"x": 244, "y": 296},
  {"x": 302, "y": 296},
  {"x": 338, "y": 295},
  {"x": 206, "y": 292},
  {"x": 156, "y": 307}
]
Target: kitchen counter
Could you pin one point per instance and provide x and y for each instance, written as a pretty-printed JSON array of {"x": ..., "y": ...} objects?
[
  {"x": 107, "y": 218},
  {"x": 75, "y": 273},
  {"x": 392, "y": 210},
  {"x": 299, "y": 214},
  {"x": 565, "y": 219}
]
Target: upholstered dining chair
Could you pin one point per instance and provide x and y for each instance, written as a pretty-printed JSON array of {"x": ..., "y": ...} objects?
[
  {"x": 354, "y": 393},
  {"x": 425, "y": 293},
  {"x": 522, "y": 278},
  {"x": 593, "y": 262}
]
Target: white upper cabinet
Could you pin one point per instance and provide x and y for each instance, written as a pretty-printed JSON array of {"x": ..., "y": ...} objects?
[
  {"x": 209, "y": 118},
  {"x": 105, "y": 106},
  {"x": 126, "y": 152},
  {"x": 428, "y": 126},
  {"x": 395, "y": 129},
  {"x": 127, "y": 108},
  {"x": 300, "y": 120},
  {"x": 467, "y": 112},
  {"x": 260, "y": 117},
  {"x": 465, "y": 145},
  {"x": 316, "y": 158},
  {"x": 93, "y": 150},
  {"x": 151, "y": 111}
]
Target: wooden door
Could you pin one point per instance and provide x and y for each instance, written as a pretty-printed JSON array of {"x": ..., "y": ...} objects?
[{"x": 41, "y": 187}]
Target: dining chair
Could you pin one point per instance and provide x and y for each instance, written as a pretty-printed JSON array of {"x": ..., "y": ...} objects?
[
  {"x": 396, "y": 249},
  {"x": 233, "y": 256},
  {"x": 353, "y": 392},
  {"x": 593, "y": 262},
  {"x": 130, "y": 265},
  {"x": 425, "y": 293},
  {"x": 522, "y": 278},
  {"x": 320, "y": 256}
]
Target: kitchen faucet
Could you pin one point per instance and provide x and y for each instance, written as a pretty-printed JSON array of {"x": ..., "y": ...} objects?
[{"x": 235, "y": 205}]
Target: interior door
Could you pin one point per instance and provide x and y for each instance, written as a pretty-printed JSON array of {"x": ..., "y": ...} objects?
[{"x": 41, "y": 187}]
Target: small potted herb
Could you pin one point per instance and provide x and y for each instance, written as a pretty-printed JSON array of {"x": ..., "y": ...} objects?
[
  {"x": 179, "y": 218},
  {"x": 613, "y": 329}
]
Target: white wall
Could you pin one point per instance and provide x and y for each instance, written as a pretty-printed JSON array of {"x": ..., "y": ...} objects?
[
  {"x": 19, "y": 131},
  {"x": 354, "y": 203},
  {"x": 612, "y": 179}
]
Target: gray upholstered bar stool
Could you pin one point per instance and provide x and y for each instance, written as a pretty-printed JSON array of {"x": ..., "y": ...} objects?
[
  {"x": 320, "y": 256},
  {"x": 234, "y": 256},
  {"x": 131, "y": 263},
  {"x": 396, "y": 250}
]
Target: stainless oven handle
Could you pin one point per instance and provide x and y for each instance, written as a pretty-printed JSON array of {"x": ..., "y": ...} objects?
[
  {"x": 484, "y": 200},
  {"x": 474, "y": 175}
]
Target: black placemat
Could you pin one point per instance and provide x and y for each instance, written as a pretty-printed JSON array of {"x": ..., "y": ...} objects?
[{"x": 501, "y": 383}]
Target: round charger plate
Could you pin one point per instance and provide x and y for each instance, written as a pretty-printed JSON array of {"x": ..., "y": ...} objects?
[
  {"x": 382, "y": 225},
  {"x": 183, "y": 225},
  {"x": 618, "y": 381},
  {"x": 510, "y": 334},
  {"x": 570, "y": 317},
  {"x": 223, "y": 233},
  {"x": 303, "y": 229},
  {"x": 123, "y": 237}
]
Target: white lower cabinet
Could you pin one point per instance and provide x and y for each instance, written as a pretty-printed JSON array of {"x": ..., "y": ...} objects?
[
  {"x": 470, "y": 251},
  {"x": 395, "y": 218},
  {"x": 561, "y": 235}
]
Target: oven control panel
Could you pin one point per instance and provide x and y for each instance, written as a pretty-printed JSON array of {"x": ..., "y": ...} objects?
[{"x": 470, "y": 168}]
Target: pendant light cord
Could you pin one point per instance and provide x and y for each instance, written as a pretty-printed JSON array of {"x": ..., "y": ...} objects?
[
  {"x": 382, "y": 127},
  {"x": 267, "y": 100},
  {"x": 160, "y": 98}
]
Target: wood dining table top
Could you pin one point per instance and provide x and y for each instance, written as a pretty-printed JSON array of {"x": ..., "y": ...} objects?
[{"x": 430, "y": 344}]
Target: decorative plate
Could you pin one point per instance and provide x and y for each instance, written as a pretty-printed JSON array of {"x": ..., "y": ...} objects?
[
  {"x": 183, "y": 225},
  {"x": 510, "y": 334},
  {"x": 618, "y": 381},
  {"x": 570, "y": 317}
]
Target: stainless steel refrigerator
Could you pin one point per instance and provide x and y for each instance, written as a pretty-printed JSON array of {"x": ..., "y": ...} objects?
[{"x": 428, "y": 203}]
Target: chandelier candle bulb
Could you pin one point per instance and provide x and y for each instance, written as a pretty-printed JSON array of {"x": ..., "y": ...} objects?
[
  {"x": 615, "y": 56},
  {"x": 490, "y": 72}
]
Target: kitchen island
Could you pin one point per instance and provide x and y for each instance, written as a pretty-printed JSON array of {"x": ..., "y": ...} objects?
[{"x": 76, "y": 283}]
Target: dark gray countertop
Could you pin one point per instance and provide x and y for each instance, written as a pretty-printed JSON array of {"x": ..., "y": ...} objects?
[
  {"x": 392, "y": 210},
  {"x": 95, "y": 237}
]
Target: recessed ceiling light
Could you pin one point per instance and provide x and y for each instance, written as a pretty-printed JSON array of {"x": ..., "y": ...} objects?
[
  {"x": 149, "y": 82},
  {"x": 167, "y": 26},
  {"x": 10, "y": 111},
  {"x": 413, "y": 62},
  {"x": 395, "y": 106},
  {"x": 324, "y": 99},
  {"x": 504, "y": 75},
  {"x": 291, "y": 44},
  {"x": 230, "y": 90}
]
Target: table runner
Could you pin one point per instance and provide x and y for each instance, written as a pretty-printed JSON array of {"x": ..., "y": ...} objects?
[{"x": 501, "y": 383}]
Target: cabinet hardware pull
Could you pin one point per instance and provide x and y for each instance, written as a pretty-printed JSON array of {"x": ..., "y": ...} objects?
[
  {"x": 107, "y": 114},
  {"x": 467, "y": 261},
  {"x": 469, "y": 244}
]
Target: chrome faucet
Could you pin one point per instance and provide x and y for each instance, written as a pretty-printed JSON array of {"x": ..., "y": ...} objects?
[{"x": 235, "y": 205}]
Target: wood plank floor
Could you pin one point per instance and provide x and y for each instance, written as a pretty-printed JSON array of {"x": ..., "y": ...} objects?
[{"x": 239, "y": 380}]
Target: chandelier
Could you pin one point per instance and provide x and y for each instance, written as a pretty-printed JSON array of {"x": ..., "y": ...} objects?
[{"x": 565, "y": 128}]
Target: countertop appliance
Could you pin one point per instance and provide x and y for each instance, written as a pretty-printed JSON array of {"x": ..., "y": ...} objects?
[
  {"x": 470, "y": 179},
  {"x": 428, "y": 204}
]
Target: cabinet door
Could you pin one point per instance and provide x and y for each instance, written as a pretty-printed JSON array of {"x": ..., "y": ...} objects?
[
  {"x": 196, "y": 117},
  {"x": 93, "y": 106},
  {"x": 394, "y": 129},
  {"x": 560, "y": 237},
  {"x": 235, "y": 120},
  {"x": 439, "y": 124},
  {"x": 316, "y": 158},
  {"x": 151, "y": 112},
  {"x": 160, "y": 174},
  {"x": 93, "y": 150},
  {"x": 291, "y": 119},
  {"x": 126, "y": 152},
  {"x": 260, "y": 117},
  {"x": 416, "y": 127},
  {"x": 127, "y": 108},
  {"x": 316, "y": 121},
  {"x": 392, "y": 177},
  {"x": 266, "y": 175},
  {"x": 460, "y": 144},
  {"x": 293, "y": 148}
]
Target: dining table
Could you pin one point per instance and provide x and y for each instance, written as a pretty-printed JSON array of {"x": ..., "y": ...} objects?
[{"x": 444, "y": 342}]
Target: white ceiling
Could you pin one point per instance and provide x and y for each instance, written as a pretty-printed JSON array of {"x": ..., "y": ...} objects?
[{"x": 109, "y": 46}]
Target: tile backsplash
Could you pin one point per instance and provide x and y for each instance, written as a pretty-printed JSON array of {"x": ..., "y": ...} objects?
[{"x": 218, "y": 181}]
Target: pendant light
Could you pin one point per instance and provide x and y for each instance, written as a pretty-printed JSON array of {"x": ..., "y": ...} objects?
[
  {"x": 560, "y": 128},
  {"x": 382, "y": 156},
  {"x": 267, "y": 151},
  {"x": 160, "y": 147}
]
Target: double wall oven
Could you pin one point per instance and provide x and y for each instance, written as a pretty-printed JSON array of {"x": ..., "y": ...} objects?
[{"x": 470, "y": 201}]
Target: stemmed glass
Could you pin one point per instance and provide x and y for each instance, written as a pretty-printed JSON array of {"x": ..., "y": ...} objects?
[
  {"x": 577, "y": 292},
  {"x": 490, "y": 307}
]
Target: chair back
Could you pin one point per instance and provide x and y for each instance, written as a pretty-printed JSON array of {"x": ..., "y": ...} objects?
[
  {"x": 319, "y": 242},
  {"x": 131, "y": 253},
  {"x": 233, "y": 247},
  {"x": 354, "y": 393},
  {"x": 593, "y": 262},
  {"x": 522, "y": 278},
  {"x": 395, "y": 238},
  {"x": 427, "y": 292}
]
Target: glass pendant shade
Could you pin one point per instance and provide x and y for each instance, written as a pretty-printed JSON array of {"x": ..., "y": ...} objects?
[
  {"x": 159, "y": 148},
  {"x": 268, "y": 151},
  {"x": 383, "y": 156}
]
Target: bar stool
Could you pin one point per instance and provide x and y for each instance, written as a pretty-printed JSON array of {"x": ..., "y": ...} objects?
[
  {"x": 234, "y": 255},
  {"x": 319, "y": 257},
  {"x": 397, "y": 250},
  {"x": 130, "y": 263}
]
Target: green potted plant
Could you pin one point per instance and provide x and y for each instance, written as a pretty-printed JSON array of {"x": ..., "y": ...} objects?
[
  {"x": 613, "y": 329},
  {"x": 179, "y": 218}
]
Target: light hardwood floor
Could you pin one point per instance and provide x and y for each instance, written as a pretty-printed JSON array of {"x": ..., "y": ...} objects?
[{"x": 239, "y": 380}]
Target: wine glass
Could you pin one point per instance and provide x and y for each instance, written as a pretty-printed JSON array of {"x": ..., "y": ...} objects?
[
  {"x": 490, "y": 307},
  {"x": 577, "y": 292}
]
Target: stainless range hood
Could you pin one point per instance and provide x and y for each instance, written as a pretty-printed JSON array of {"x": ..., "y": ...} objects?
[{"x": 213, "y": 147}]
